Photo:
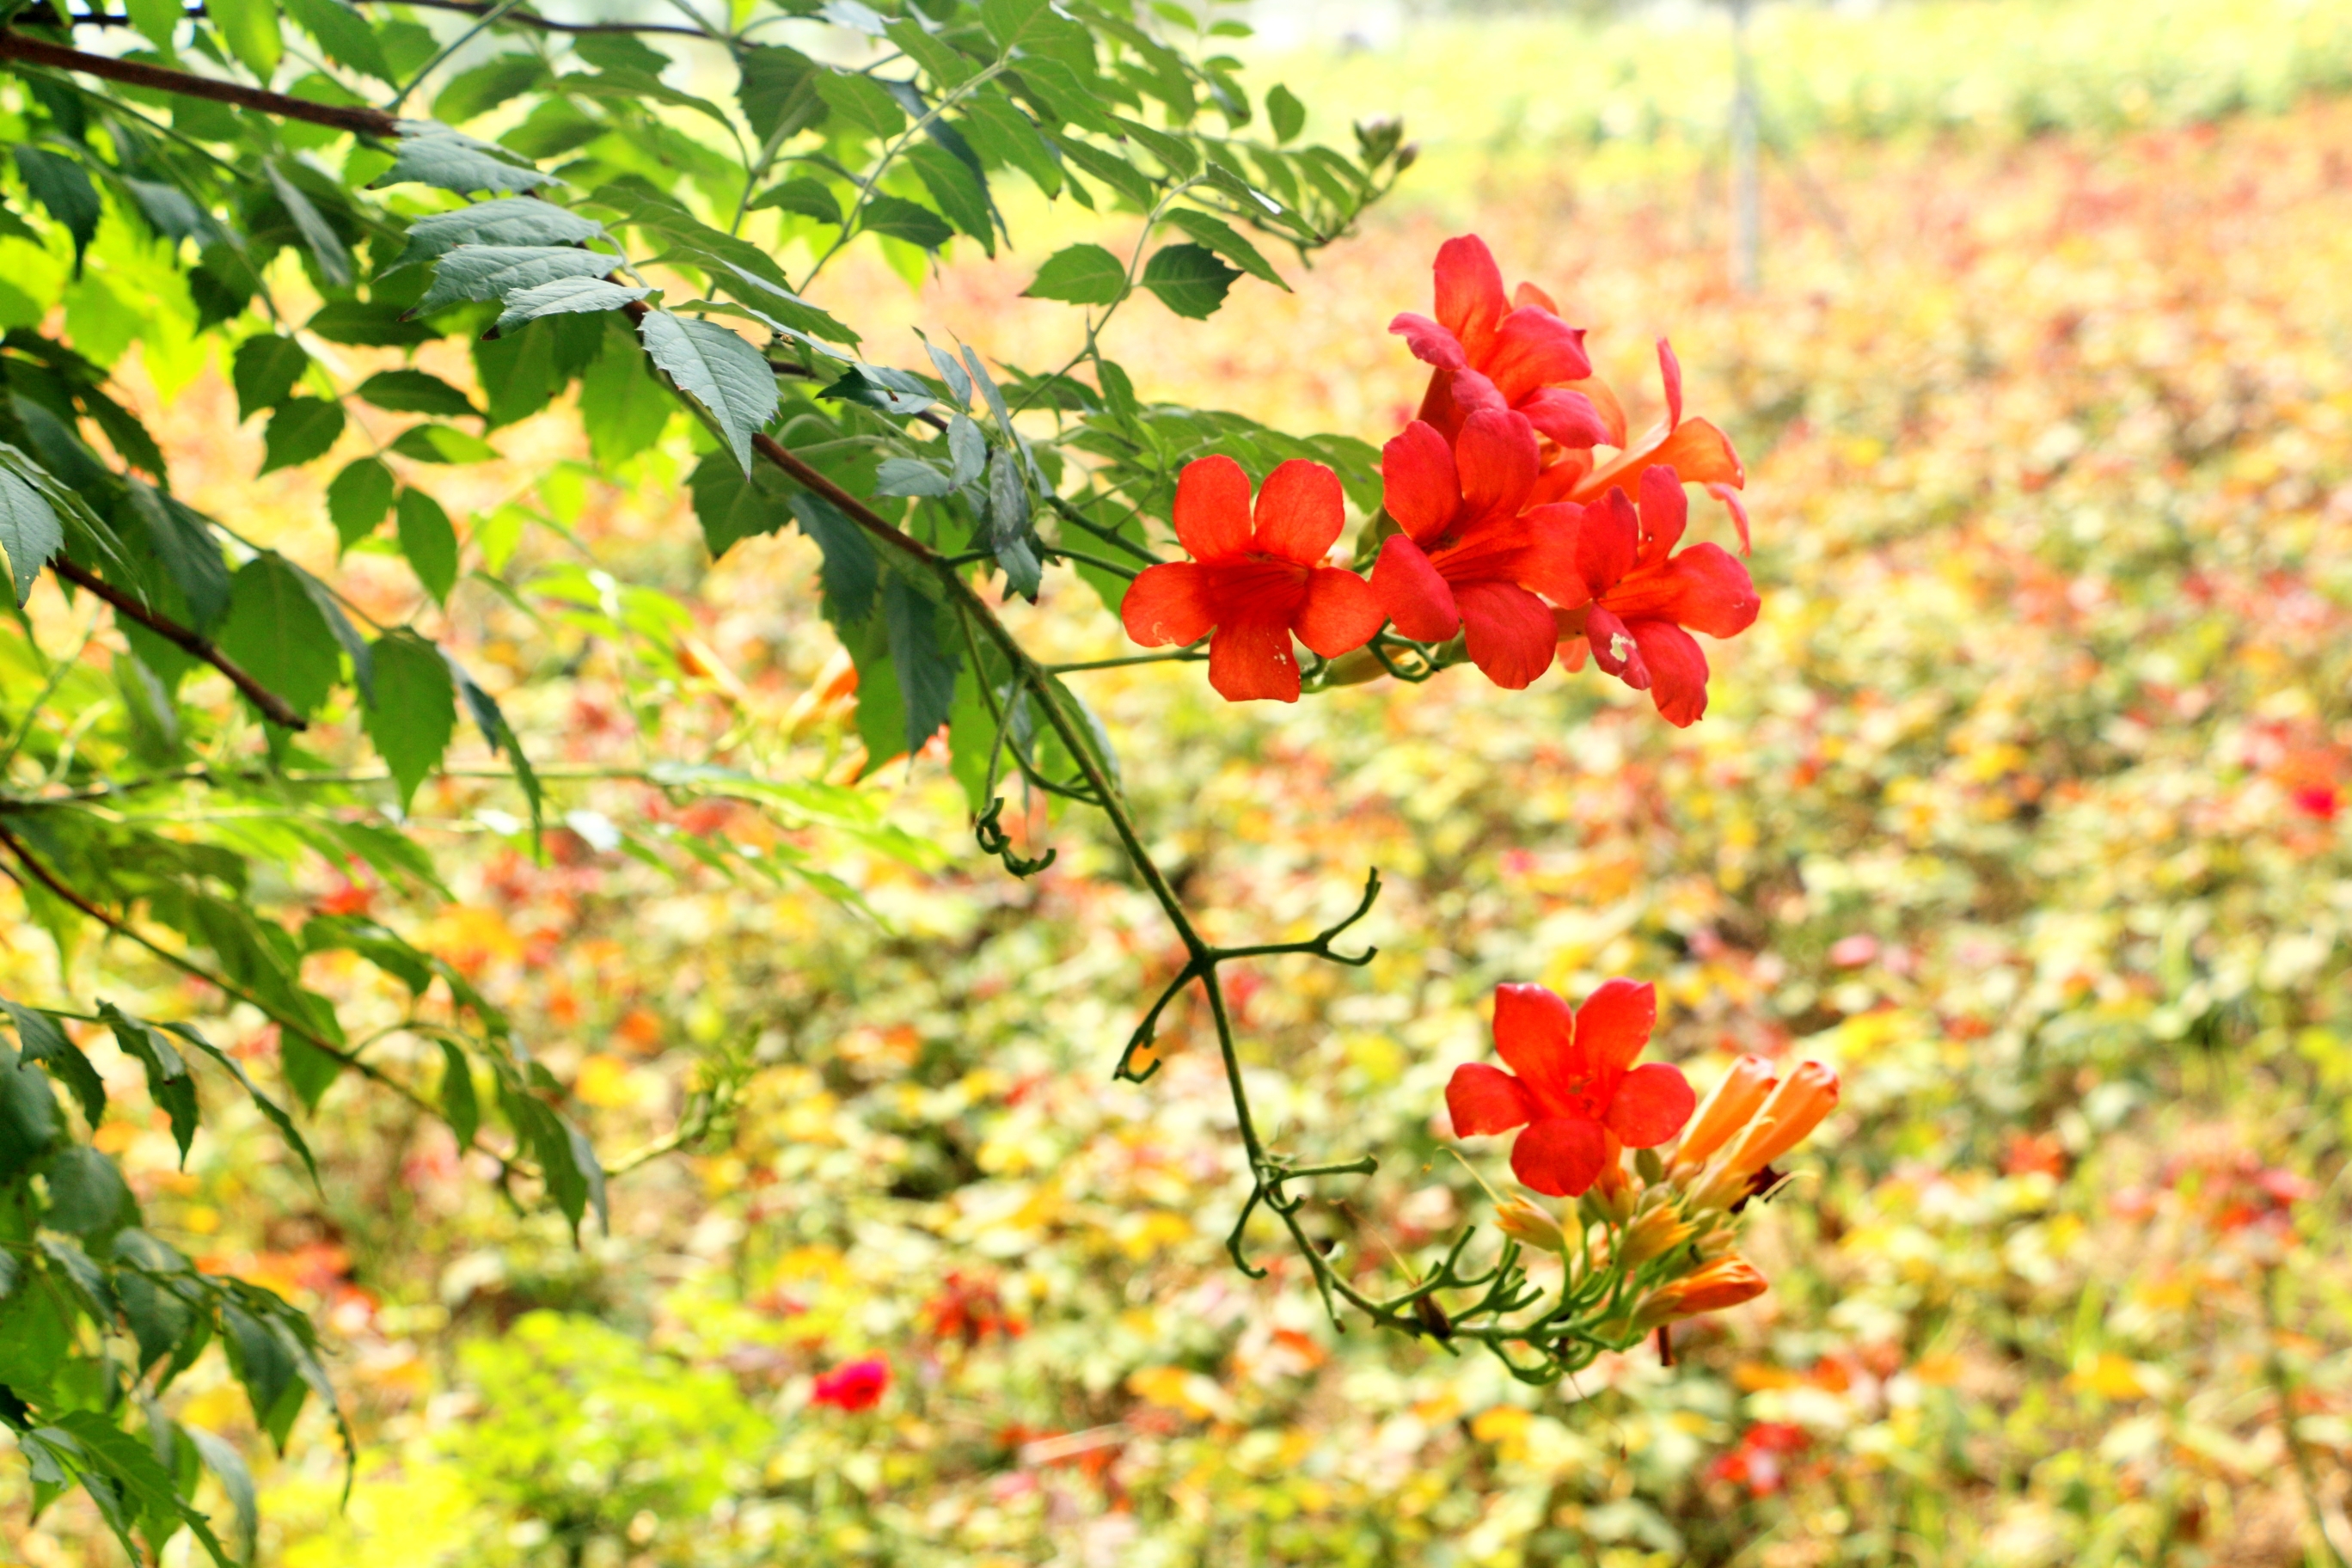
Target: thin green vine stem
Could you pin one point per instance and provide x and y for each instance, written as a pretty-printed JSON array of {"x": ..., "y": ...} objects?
[{"x": 865, "y": 186}]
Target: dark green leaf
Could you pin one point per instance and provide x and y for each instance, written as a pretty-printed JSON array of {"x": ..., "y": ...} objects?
[
  {"x": 779, "y": 92},
  {"x": 477, "y": 90},
  {"x": 262, "y": 1362},
  {"x": 879, "y": 386},
  {"x": 960, "y": 193},
  {"x": 1109, "y": 168},
  {"x": 910, "y": 476},
  {"x": 358, "y": 499},
  {"x": 29, "y": 532},
  {"x": 1081, "y": 274},
  {"x": 62, "y": 187},
  {"x": 1226, "y": 241},
  {"x": 492, "y": 722},
  {"x": 277, "y": 633},
  {"x": 1189, "y": 279},
  {"x": 809, "y": 198},
  {"x": 923, "y": 656},
  {"x": 265, "y": 370},
  {"x": 415, "y": 391},
  {"x": 459, "y": 1107},
  {"x": 87, "y": 1194},
  {"x": 428, "y": 541},
  {"x": 732, "y": 505},
  {"x": 28, "y": 1114},
  {"x": 521, "y": 373},
  {"x": 168, "y": 1083},
  {"x": 1175, "y": 153},
  {"x": 1008, "y": 524},
  {"x": 366, "y": 323},
  {"x": 183, "y": 541},
  {"x": 326, "y": 245},
  {"x": 158, "y": 1317},
  {"x": 441, "y": 444},
  {"x": 302, "y": 429},
  {"x": 718, "y": 370},
  {"x": 495, "y": 271},
  {"x": 45, "y": 1042},
  {"x": 623, "y": 405},
  {"x": 852, "y": 570},
  {"x": 271, "y": 1111},
  {"x": 902, "y": 219},
  {"x": 415, "y": 710},
  {"x": 340, "y": 627}
]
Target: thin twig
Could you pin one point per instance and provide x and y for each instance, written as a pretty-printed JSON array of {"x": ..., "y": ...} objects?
[
  {"x": 273, "y": 707},
  {"x": 362, "y": 121}
]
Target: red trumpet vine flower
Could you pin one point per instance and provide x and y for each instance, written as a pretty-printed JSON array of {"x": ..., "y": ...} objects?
[
  {"x": 1516, "y": 352},
  {"x": 1695, "y": 451},
  {"x": 1470, "y": 552},
  {"x": 1646, "y": 600},
  {"x": 1255, "y": 579},
  {"x": 1576, "y": 1086},
  {"x": 854, "y": 1385}
]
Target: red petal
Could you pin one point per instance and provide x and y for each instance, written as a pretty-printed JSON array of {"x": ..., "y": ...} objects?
[
  {"x": 1213, "y": 508},
  {"x": 1469, "y": 291},
  {"x": 1300, "y": 510},
  {"x": 1414, "y": 595},
  {"x": 1738, "y": 509},
  {"x": 1607, "y": 542},
  {"x": 1511, "y": 634},
  {"x": 1430, "y": 343},
  {"x": 1167, "y": 604},
  {"x": 1251, "y": 659},
  {"x": 1670, "y": 371},
  {"x": 1483, "y": 1099},
  {"x": 1471, "y": 392},
  {"x": 1704, "y": 588},
  {"x": 1528, "y": 294},
  {"x": 1497, "y": 458},
  {"x": 1534, "y": 348},
  {"x": 1614, "y": 1023},
  {"x": 1561, "y": 1157},
  {"x": 1567, "y": 417},
  {"x": 1417, "y": 482},
  {"x": 1677, "y": 666},
  {"x": 1653, "y": 1102},
  {"x": 1548, "y": 561},
  {"x": 1696, "y": 449},
  {"x": 1535, "y": 1033},
  {"x": 1340, "y": 615},
  {"x": 1666, "y": 513},
  {"x": 1613, "y": 647}
]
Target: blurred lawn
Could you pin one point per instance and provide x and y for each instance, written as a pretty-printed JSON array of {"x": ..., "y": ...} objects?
[{"x": 2022, "y": 806}]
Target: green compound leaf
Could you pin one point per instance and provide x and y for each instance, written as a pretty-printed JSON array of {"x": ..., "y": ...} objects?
[
  {"x": 1082, "y": 274},
  {"x": 1189, "y": 279}
]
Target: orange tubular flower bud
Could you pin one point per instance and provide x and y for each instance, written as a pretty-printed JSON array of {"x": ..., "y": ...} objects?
[
  {"x": 1655, "y": 1233},
  {"x": 1727, "y": 1111},
  {"x": 1725, "y": 1282},
  {"x": 1526, "y": 1223},
  {"x": 1804, "y": 1097}
]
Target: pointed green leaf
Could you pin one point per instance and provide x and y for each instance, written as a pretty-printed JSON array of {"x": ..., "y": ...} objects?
[
  {"x": 1189, "y": 279},
  {"x": 564, "y": 296},
  {"x": 1226, "y": 241},
  {"x": 432, "y": 154},
  {"x": 511, "y": 220},
  {"x": 29, "y": 532},
  {"x": 428, "y": 541},
  {"x": 727, "y": 376},
  {"x": 265, "y": 370},
  {"x": 415, "y": 391},
  {"x": 302, "y": 429},
  {"x": 277, "y": 633},
  {"x": 495, "y": 271},
  {"x": 1080, "y": 274}
]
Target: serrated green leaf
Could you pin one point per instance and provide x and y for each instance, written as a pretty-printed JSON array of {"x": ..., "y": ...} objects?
[
  {"x": 511, "y": 220},
  {"x": 432, "y": 154},
  {"x": 43, "y": 1041},
  {"x": 852, "y": 570},
  {"x": 734, "y": 505},
  {"x": 728, "y": 377},
  {"x": 1008, "y": 525},
  {"x": 879, "y": 386},
  {"x": 415, "y": 391},
  {"x": 228, "y": 1468},
  {"x": 1080, "y": 274},
  {"x": 358, "y": 498},
  {"x": 967, "y": 451},
  {"x": 325, "y": 245},
  {"x": 184, "y": 541},
  {"x": 271, "y": 1111},
  {"x": 1002, "y": 134},
  {"x": 1109, "y": 168},
  {"x": 29, "y": 532},
  {"x": 1175, "y": 153},
  {"x": 62, "y": 187},
  {"x": 910, "y": 476},
  {"x": 902, "y": 219},
  {"x": 923, "y": 656},
  {"x": 1226, "y": 241},
  {"x": 1189, "y": 279},
  {"x": 960, "y": 193},
  {"x": 277, "y": 633},
  {"x": 495, "y": 271},
  {"x": 264, "y": 1364},
  {"x": 87, "y": 1194},
  {"x": 168, "y": 1083},
  {"x": 859, "y": 99},
  {"x": 415, "y": 711},
  {"x": 428, "y": 541},
  {"x": 440, "y": 444},
  {"x": 302, "y": 428},
  {"x": 492, "y": 722},
  {"x": 939, "y": 60},
  {"x": 368, "y": 323},
  {"x": 564, "y": 296}
]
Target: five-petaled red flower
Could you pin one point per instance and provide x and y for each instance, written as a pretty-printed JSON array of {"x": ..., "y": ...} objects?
[
  {"x": 855, "y": 1385},
  {"x": 1488, "y": 346},
  {"x": 1577, "y": 1092},
  {"x": 1254, "y": 579},
  {"x": 1646, "y": 600},
  {"x": 1471, "y": 553},
  {"x": 1697, "y": 451}
]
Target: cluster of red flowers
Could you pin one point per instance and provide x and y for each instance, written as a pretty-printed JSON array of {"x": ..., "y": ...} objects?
[
  {"x": 1510, "y": 531},
  {"x": 853, "y": 1385}
]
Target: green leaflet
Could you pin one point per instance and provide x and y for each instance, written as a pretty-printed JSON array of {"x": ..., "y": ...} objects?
[
  {"x": 1189, "y": 279},
  {"x": 431, "y": 154},
  {"x": 428, "y": 540},
  {"x": 302, "y": 429},
  {"x": 728, "y": 377},
  {"x": 264, "y": 371},
  {"x": 29, "y": 532},
  {"x": 415, "y": 711},
  {"x": 1082, "y": 274},
  {"x": 415, "y": 391},
  {"x": 277, "y": 633}
]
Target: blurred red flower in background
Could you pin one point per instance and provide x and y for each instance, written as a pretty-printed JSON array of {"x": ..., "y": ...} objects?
[
  {"x": 1254, "y": 578},
  {"x": 1577, "y": 1089},
  {"x": 1759, "y": 1461},
  {"x": 854, "y": 1385}
]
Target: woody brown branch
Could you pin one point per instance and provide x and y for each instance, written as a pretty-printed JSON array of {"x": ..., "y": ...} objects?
[
  {"x": 360, "y": 121},
  {"x": 273, "y": 707}
]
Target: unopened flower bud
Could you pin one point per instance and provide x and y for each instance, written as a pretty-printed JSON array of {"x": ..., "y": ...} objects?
[
  {"x": 1727, "y": 1111},
  {"x": 1523, "y": 1223},
  {"x": 1654, "y": 1233},
  {"x": 1804, "y": 1097},
  {"x": 1354, "y": 669},
  {"x": 1725, "y": 1282}
]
